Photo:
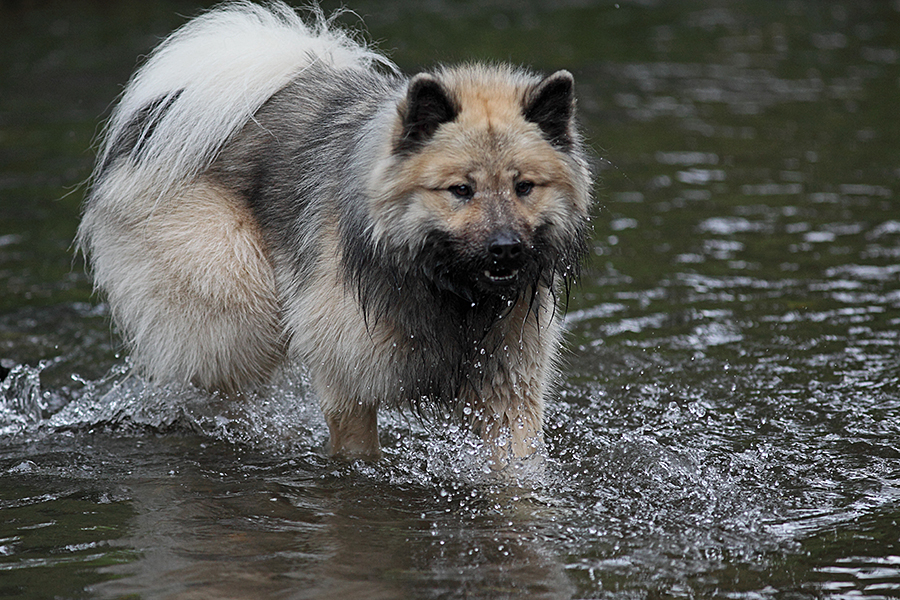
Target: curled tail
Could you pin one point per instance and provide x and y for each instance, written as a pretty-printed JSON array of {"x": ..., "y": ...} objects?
[
  {"x": 207, "y": 79},
  {"x": 181, "y": 259}
]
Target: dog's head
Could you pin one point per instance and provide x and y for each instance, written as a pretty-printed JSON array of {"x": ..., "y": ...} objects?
[{"x": 486, "y": 185}]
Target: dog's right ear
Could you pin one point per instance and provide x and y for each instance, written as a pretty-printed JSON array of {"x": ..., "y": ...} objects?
[
  {"x": 551, "y": 106},
  {"x": 426, "y": 107}
]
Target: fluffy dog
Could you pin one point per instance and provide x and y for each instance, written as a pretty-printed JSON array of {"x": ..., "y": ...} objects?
[{"x": 269, "y": 188}]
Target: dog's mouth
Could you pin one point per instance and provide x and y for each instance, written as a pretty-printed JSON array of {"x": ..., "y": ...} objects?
[{"x": 499, "y": 275}]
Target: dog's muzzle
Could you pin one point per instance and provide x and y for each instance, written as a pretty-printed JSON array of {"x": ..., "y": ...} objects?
[{"x": 506, "y": 257}]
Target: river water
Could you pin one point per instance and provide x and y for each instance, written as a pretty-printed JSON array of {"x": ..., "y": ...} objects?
[{"x": 728, "y": 420}]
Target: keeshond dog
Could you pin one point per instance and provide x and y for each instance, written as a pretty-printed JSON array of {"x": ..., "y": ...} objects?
[{"x": 268, "y": 189}]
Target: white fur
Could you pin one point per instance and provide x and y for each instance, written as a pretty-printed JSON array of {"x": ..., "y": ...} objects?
[{"x": 228, "y": 62}]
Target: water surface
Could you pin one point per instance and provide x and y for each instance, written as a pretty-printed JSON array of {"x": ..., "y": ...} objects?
[{"x": 728, "y": 420}]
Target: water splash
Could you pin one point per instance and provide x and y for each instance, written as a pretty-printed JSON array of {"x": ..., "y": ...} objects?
[
  {"x": 281, "y": 418},
  {"x": 278, "y": 417},
  {"x": 22, "y": 402}
]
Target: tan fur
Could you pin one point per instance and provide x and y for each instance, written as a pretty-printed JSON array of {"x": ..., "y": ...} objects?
[
  {"x": 327, "y": 310},
  {"x": 509, "y": 413},
  {"x": 177, "y": 270},
  {"x": 492, "y": 146},
  {"x": 489, "y": 144}
]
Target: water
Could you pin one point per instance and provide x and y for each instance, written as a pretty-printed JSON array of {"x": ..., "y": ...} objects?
[{"x": 729, "y": 416}]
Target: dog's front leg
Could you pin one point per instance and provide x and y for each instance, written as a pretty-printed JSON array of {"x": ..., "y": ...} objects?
[
  {"x": 510, "y": 429},
  {"x": 354, "y": 430}
]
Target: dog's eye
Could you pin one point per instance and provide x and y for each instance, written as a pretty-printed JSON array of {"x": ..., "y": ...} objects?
[
  {"x": 523, "y": 188},
  {"x": 462, "y": 191}
]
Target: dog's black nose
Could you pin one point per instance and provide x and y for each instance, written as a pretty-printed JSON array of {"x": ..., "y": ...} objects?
[{"x": 505, "y": 247}]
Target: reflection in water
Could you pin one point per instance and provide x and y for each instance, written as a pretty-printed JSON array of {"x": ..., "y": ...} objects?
[
  {"x": 728, "y": 418},
  {"x": 303, "y": 524}
]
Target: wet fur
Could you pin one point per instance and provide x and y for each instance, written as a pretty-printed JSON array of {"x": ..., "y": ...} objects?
[{"x": 314, "y": 218}]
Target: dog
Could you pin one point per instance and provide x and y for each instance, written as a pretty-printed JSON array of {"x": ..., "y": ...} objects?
[{"x": 268, "y": 188}]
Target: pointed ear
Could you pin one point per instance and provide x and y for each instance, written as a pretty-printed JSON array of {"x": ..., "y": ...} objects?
[
  {"x": 427, "y": 107},
  {"x": 551, "y": 106}
]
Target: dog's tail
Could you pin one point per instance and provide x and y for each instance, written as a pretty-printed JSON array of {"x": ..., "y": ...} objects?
[{"x": 207, "y": 79}]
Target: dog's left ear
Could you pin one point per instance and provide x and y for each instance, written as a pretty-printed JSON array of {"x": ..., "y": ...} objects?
[
  {"x": 427, "y": 107},
  {"x": 551, "y": 106}
]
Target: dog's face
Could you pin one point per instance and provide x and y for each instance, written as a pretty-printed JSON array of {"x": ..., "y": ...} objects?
[{"x": 487, "y": 186}]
